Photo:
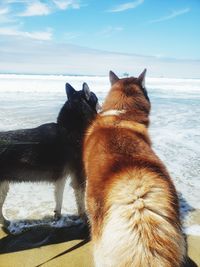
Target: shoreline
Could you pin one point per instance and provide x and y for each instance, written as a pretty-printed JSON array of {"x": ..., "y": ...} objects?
[
  {"x": 57, "y": 255},
  {"x": 67, "y": 247}
]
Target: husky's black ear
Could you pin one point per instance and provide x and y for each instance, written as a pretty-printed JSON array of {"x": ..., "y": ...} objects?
[
  {"x": 113, "y": 77},
  {"x": 141, "y": 78},
  {"x": 86, "y": 91},
  {"x": 70, "y": 91}
]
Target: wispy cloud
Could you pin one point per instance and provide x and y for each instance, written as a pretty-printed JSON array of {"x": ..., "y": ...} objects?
[
  {"x": 14, "y": 1},
  {"x": 71, "y": 35},
  {"x": 110, "y": 30},
  {"x": 18, "y": 56},
  {"x": 65, "y": 4},
  {"x": 5, "y": 15},
  {"x": 36, "y": 8},
  {"x": 39, "y": 35},
  {"x": 173, "y": 15},
  {"x": 126, "y": 6},
  {"x": 4, "y": 11},
  {"x": 41, "y": 8}
]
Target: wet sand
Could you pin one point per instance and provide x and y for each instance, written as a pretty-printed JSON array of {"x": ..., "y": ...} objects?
[
  {"x": 35, "y": 257},
  {"x": 193, "y": 240},
  {"x": 46, "y": 246},
  {"x": 60, "y": 247}
]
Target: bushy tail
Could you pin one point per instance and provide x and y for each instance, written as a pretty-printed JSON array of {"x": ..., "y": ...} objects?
[{"x": 141, "y": 227}]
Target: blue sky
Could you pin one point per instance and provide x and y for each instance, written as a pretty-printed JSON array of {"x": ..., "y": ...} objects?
[{"x": 162, "y": 29}]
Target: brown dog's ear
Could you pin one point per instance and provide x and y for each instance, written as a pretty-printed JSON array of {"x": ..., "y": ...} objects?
[
  {"x": 113, "y": 77},
  {"x": 141, "y": 78}
]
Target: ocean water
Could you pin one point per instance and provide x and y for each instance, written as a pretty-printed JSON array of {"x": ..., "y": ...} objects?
[{"x": 27, "y": 101}]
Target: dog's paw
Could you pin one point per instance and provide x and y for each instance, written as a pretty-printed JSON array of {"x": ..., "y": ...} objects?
[
  {"x": 5, "y": 223},
  {"x": 57, "y": 215},
  {"x": 84, "y": 218}
]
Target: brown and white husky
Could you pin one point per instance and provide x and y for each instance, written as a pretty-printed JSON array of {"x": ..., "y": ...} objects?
[{"x": 130, "y": 198}]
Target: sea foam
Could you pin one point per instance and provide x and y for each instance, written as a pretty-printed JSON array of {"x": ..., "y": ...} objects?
[{"x": 27, "y": 101}]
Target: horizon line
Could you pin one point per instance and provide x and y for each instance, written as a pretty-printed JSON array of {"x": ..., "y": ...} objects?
[{"x": 93, "y": 75}]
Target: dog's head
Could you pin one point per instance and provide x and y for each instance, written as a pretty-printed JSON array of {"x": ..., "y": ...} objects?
[
  {"x": 128, "y": 94},
  {"x": 80, "y": 107},
  {"x": 84, "y": 95}
]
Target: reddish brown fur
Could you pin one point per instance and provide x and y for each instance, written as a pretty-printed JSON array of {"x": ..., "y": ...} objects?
[{"x": 124, "y": 172}]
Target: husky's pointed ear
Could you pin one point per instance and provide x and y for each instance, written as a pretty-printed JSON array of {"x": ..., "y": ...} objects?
[
  {"x": 86, "y": 91},
  {"x": 141, "y": 78},
  {"x": 70, "y": 91},
  {"x": 113, "y": 77}
]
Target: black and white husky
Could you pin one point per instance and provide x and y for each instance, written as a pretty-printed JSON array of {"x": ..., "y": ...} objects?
[{"x": 51, "y": 151}]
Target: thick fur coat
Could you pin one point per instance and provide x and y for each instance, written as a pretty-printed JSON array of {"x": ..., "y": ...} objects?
[
  {"x": 131, "y": 200},
  {"x": 50, "y": 152}
]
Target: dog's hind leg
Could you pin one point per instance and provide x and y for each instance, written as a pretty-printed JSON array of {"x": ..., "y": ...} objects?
[
  {"x": 78, "y": 184},
  {"x": 59, "y": 189},
  {"x": 4, "y": 187}
]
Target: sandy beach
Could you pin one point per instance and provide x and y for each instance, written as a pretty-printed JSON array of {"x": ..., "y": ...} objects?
[
  {"x": 80, "y": 256},
  {"x": 61, "y": 247},
  {"x": 46, "y": 246},
  {"x": 194, "y": 240}
]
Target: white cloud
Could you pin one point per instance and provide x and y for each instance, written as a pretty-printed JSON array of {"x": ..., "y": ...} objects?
[
  {"x": 15, "y": 1},
  {"x": 71, "y": 35},
  {"x": 65, "y": 4},
  {"x": 25, "y": 55},
  {"x": 36, "y": 8},
  {"x": 4, "y": 11},
  {"x": 126, "y": 6},
  {"x": 6, "y": 19},
  {"x": 40, "y": 35},
  {"x": 174, "y": 14},
  {"x": 5, "y": 16},
  {"x": 110, "y": 30}
]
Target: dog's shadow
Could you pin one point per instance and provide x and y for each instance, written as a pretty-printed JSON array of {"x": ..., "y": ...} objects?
[
  {"x": 185, "y": 207},
  {"x": 36, "y": 235}
]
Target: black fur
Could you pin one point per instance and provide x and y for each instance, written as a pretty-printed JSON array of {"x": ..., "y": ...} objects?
[{"x": 50, "y": 151}]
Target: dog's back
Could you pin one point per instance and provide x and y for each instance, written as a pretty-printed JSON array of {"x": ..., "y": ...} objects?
[
  {"x": 51, "y": 151},
  {"x": 131, "y": 200},
  {"x": 48, "y": 150},
  {"x": 36, "y": 154}
]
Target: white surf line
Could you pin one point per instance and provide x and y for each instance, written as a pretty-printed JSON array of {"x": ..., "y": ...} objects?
[{"x": 192, "y": 230}]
